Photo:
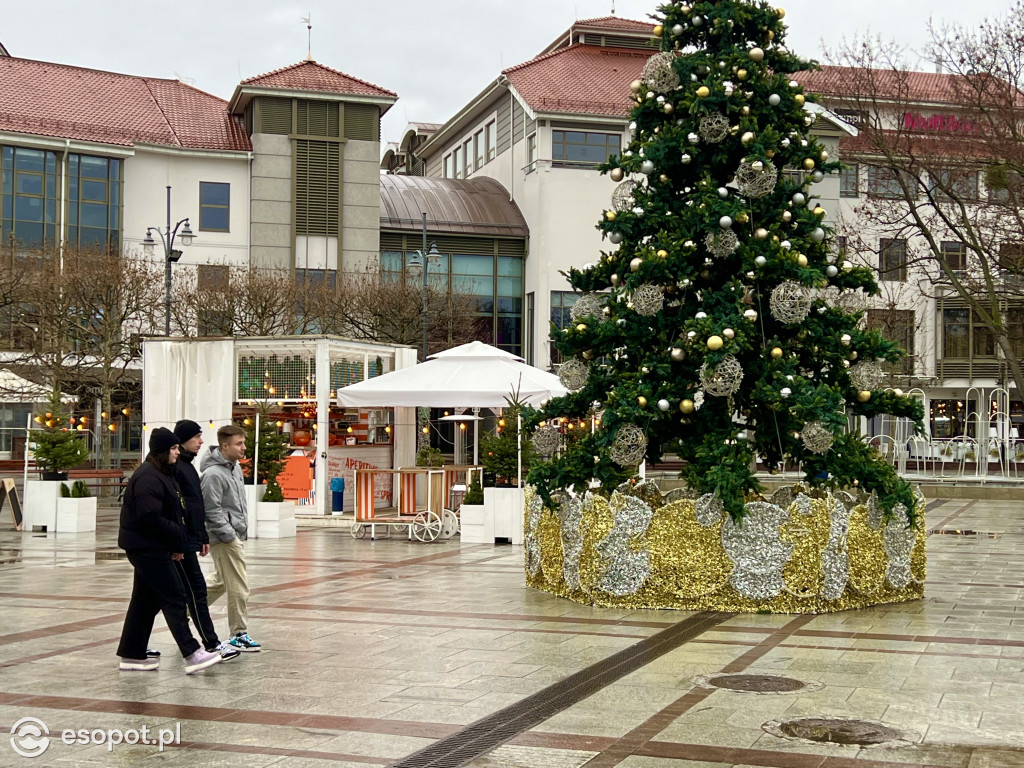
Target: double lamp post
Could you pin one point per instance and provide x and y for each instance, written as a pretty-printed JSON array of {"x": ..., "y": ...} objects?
[
  {"x": 170, "y": 254},
  {"x": 421, "y": 260}
]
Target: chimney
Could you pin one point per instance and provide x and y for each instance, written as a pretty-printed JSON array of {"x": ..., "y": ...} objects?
[{"x": 939, "y": 66}]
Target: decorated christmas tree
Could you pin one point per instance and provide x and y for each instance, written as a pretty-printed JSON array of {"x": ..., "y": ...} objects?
[{"x": 723, "y": 326}]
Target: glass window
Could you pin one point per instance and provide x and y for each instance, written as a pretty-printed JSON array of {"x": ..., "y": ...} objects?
[
  {"x": 884, "y": 183},
  {"x": 467, "y": 157},
  {"x": 955, "y": 333},
  {"x": 214, "y": 206},
  {"x": 583, "y": 148},
  {"x": 561, "y": 304},
  {"x": 458, "y": 163},
  {"x": 954, "y": 255},
  {"x": 892, "y": 259},
  {"x": 491, "y": 138},
  {"x": 94, "y": 202},
  {"x": 531, "y": 149},
  {"x": 955, "y": 184},
  {"x": 449, "y": 167},
  {"x": 213, "y": 277},
  {"x": 28, "y": 196},
  {"x": 391, "y": 264},
  {"x": 1015, "y": 330},
  {"x": 478, "y": 148},
  {"x": 896, "y": 325},
  {"x": 984, "y": 344},
  {"x": 314, "y": 277},
  {"x": 849, "y": 185}
]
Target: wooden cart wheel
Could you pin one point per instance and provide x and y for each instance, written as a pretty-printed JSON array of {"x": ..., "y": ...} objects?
[
  {"x": 426, "y": 526},
  {"x": 449, "y": 524},
  {"x": 358, "y": 530}
]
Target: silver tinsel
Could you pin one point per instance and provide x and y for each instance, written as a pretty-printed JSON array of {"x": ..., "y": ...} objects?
[
  {"x": 721, "y": 243},
  {"x": 816, "y": 437},
  {"x": 531, "y": 541},
  {"x": 804, "y": 504},
  {"x": 757, "y": 550},
  {"x": 659, "y": 73},
  {"x": 713, "y": 128},
  {"x": 648, "y": 299},
  {"x": 573, "y": 374},
  {"x": 835, "y": 560},
  {"x": 790, "y": 303},
  {"x": 622, "y": 196},
  {"x": 625, "y": 569},
  {"x": 546, "y": 440},
  {"x": 587, "y": 305},
  {"x": 757, "y": 178},
  {"x": 898, "y": 541},
  {"x": 724, "y": 379},
  {"x": 783, "y": 497},
  {"x": 709, "y": 509},
  {"x": 875, "y": 515},
  {"x": 570, "y": 513},
  {"x": 866, "y": 375},
  {"x": 629, "y": 447}
]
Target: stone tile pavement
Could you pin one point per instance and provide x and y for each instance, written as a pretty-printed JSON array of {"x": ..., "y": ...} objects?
[{"x": 375, "y": 650}]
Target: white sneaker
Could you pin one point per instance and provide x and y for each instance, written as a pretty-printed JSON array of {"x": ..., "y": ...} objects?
[
  {"x": 201, "y": 659},
  {"x": 139, "y": 665},
  {"x": 227, "y": 651}
]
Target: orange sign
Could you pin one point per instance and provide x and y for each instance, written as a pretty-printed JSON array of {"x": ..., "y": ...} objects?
[{"x": 296, "y": 478}]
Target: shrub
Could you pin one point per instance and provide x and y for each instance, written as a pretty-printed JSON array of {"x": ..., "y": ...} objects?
[{"x": 475, "y": 494}]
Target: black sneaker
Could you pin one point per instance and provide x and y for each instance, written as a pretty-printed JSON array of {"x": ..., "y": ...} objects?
[
  {"x": 152, "y": 654},
  {"x": 226, "y": 650}
]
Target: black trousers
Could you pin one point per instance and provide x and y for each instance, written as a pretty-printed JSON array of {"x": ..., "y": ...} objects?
[
  {"x": 157, "y": 588},
  {"x": 195, "y": 596}
]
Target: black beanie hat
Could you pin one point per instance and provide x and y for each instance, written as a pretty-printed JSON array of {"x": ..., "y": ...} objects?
[
  {"x": 162, "y": 440},
  {"x": 186, "y": 429}
]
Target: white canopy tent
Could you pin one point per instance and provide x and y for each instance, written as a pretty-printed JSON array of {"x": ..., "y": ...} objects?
[
  {"x": 15, "y": 389},
  {"x": 474, "y": 375}
]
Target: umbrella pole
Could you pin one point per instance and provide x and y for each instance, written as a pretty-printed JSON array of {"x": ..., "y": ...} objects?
[
  {"x": 519, "y": 450},
  {"x": 476, "y": 437}
]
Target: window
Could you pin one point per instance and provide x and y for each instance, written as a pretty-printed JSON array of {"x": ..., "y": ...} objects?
[
  {"x": 391, "y": 264},
  {"x": 1003, "y": 186},
  {"x": 530, "y": 335},
  {"x": 892, "y": 259},
  {"x": 954, "y": 255},
  {"x": 964, "y": 335},
  {"x": 841, "y": 242},
  {"x": 1011, "y": 257},
  {"x": 214, "y": 206},
  {"x": 449, "y": 167},
  {"x": 478, "y": 148},
  {"x": 583, "y": 148},
  {"x": 94, "y": 202},
  {"x": 884, "y": 183},
  {"x": 955, "y": 185},
  {"x": 215, "y": 322},
  {"x": 467, "y": 157},
  {"x": 311, "y": 278},
  {"x": 897, "y": 326},
  {"x": 213, "y": 277},
  {"x": 561, "y": 304},
  {"x": 457, "y": 154},
  {"x": 849, "y": 185},
  {"x": 28, "y": 182},
  {"x": 491, "y": 138},
  {"x": 531, "y": 151}
]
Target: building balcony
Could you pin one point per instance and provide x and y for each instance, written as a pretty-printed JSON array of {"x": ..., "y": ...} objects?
[{"x": 971, "y": 368}]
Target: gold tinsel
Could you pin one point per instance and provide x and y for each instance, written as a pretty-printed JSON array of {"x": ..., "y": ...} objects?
[{"x": 690, "y": 569}]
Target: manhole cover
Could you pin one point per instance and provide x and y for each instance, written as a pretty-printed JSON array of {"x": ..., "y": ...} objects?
[
  {"x": 756, "y": 683},
  {"x": 834, "y": 730}
]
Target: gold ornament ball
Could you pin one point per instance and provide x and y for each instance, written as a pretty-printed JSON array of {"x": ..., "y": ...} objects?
[
  {"x": 616, "y": 174},
  {"x": 705, "y": 274},
  {"x": 642, "y": 401},
  {"x": 770, "y": 35},
  {"x": 742, "y": 217},
  {"x": 799, "y": 99},
  {"x": 663, "y": 254},
  {"x": 581, "y": 327},
  {"x": 703, "y": 92},
  {"x": 747, "y": 137},
  {"x": 756, "y": 54},
  {"x": 667, "y": 108},
  {"x": 686, "y": 406},
  {"x": 588, "y": 354},
  {"x": 741, "y": 74},
  {"x": 864, "y": 395},
  {"x": 614, "y": 279},
  {"x": 801, "y": 260},
  {"x": 715, "y": 343},
  {"x": 658, "y": 29},
  {"x": 787, "y": 216},
  {"x": 760, "y": 233},
  {"x": 663, "y": 179},
  {"x": 729, "y": 333},
  {"x": 819, "y": 211},
  {"x": 610, "y": 215},
  {"x": 776, "y": 352},
  {"x": 634, "y": 265},
  {"x": 809, "y": 163},
  {"x": 744, "y": 110},
  {"x": 781, "y": 12},
  {"x": 636, "y": 86},
  {"x": 677, "y": 354}
]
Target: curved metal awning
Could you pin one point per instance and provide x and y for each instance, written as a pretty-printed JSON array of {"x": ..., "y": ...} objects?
[{"x": 478, "y": 206}]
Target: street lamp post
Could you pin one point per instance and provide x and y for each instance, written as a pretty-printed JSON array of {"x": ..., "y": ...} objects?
[
  {"x": 421, "y": 260},
  {"x": 170, "y": 254}
]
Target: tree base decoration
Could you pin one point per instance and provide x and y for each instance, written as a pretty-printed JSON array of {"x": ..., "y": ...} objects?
[{"x": 799, "y": 551}]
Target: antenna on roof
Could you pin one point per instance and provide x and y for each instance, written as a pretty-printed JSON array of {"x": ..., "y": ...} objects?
[
  {"x": 307, "y": 20},
  {"x": 613, "y": 7}
]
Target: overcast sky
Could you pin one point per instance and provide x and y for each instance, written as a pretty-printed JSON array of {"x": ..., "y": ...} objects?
[{"x": 436, "y": 55}]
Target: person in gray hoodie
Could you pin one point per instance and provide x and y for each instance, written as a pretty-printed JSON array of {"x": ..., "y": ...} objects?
[{"x": 227, "y": 524}]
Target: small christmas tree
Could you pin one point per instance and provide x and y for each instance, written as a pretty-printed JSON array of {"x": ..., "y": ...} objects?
[
  {"x": 502, "y": 451},
  {"x": 724, "y": 327},
  {"x": 273, "y": 448},
  {"x": 56, "y": 448}
]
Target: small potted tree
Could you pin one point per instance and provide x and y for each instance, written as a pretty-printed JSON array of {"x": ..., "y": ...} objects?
[
  {"x": 506, "y": 455},
  {"x": 272, "y": 517},
  {"x": 476, "y": 526},
  {"x": 55, "y": 450},
  {"x": 76, "y": 508}
]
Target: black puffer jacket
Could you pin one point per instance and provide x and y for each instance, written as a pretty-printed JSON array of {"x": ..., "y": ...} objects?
[
  {"x": 153, "y": 512},
  {"x": 195, "y": 512}
]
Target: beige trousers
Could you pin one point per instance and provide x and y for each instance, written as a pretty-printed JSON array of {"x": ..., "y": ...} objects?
[{"x": 229, "y": 578}]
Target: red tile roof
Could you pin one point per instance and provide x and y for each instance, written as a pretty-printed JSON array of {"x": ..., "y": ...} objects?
[
  {"x": 582, "y": 79},
  {"x": 838, "y": 82},
  {"x": 46, "y": 99},
  {"x": 616, "y": 22},
  {"x": 313, "y": 76}
]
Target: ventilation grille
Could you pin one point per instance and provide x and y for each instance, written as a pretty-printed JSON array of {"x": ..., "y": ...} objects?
[
  {"x": 317, "y": 187},
  {"x": 317, "y": 118},
  {"x": 275, "y": 116},
  {"x": 362, "y": 122}
]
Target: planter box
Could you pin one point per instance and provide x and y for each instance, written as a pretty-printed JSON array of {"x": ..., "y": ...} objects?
[
  {"x": 253, "y": 494},
  {"x": 475, "y": 525},
  {"x": 40, "y": 508},
  {"x": 274, "y": 519},
  {"x": 76, "y": 515}
]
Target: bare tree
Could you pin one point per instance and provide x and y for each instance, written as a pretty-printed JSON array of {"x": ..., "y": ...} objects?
[
  {"x": 925, "y": 174},
  {"x": 236, "y": 301}
]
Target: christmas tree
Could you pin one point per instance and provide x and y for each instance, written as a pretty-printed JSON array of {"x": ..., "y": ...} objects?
[{"x": 725, "y": 326}]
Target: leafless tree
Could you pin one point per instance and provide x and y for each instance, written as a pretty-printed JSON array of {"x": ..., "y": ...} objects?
[{"x": 235, "y": 301}]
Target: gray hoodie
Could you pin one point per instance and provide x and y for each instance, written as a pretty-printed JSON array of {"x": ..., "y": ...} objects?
[{"x": 223, "y": 497}]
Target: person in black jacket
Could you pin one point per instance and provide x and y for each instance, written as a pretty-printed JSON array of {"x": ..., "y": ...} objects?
[
  {"x": 154, "y": 536},
  {"x": 190, "y": 437}
]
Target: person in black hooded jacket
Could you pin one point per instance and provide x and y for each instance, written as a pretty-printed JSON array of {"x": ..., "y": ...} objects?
[
  {"x": 153, "y": 535},
  {"x": 190, "y": 437}
]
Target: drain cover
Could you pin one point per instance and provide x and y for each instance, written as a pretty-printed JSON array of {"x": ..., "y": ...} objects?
[
  {"x": 835, "y": 730},
  {"x": 756, "y": 683}
]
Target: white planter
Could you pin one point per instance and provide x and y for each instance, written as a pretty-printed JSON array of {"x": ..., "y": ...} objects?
[
  {"x": 274, "y": 519},
  {"x": 40, "y": 509},
  {"x": 253, "y": 494},
  {"x": 476, "y": 526},
  {"x": 76, "y": 515},
  {"x": 504, "y": 507}
]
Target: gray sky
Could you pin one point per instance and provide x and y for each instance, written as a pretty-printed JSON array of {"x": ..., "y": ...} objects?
[{"x": 435, "y": 55}]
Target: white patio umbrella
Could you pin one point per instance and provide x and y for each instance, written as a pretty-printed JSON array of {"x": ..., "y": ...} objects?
[{"x": 15, "y": 389}]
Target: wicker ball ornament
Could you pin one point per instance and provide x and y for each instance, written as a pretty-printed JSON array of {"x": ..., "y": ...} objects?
[
  {"x": 622, "y": 197},
  {"x": 546, "y": 440},
  {"x": 573, "y": 374},
  {"x": 722, "y": 243},
  {"x": 660, "y": 74},
  {"x": 647, "y": 300},
  {"x": 816, "y": 437},
  {"x": 629, "y": 447},
  {"x": 790, "y": 303},
  {"x": 713, "y": 128},
  {"x": 865, "y": 376},
  {"x": 587, "y": 305},
  {"x": 723, "y": 379},
  {"x": 756, "y": 178}
]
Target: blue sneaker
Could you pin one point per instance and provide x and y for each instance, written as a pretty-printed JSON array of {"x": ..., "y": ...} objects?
[{"x": 244, "y": 643}]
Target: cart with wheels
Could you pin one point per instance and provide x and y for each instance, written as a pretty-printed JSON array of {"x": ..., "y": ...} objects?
[
  {"x": 421, "y": 524},
  {"x": 457, "y": 479}
]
